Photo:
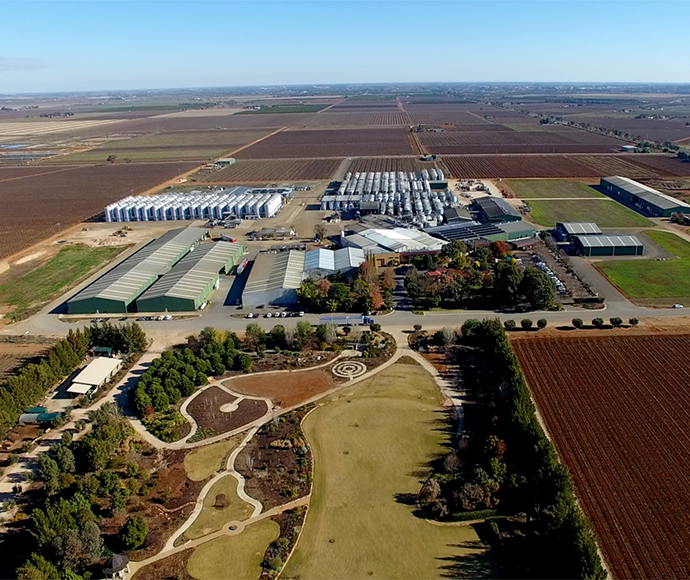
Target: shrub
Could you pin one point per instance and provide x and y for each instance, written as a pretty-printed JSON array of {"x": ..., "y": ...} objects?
[
  {"x": 133, "y": 533},
  {"x": 577, "y": 323},
  {"x": 633, "y": 322},
  {"x": 526, "y": 323},
  {"x": 417, "y": 327},
  {"x": 509, "y": 325},
  {"x": 275, "y": 563},
  {"x": 542, "y": 323},
  {"x": 616, "y": 322},
  {"x": 375, "y": 327},
  {"x": 598, "y": 322}
]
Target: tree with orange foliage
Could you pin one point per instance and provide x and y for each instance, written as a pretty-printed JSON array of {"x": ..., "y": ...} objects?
[
  {"x": 388, "y": 279},
  {"x": 376, "y": 298}
]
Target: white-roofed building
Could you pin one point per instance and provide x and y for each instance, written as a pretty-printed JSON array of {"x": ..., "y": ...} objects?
[
  {"x": 94, "y": 375},
  {"x": 274, "y": 279},
  {"x": 321, "y": 262}
]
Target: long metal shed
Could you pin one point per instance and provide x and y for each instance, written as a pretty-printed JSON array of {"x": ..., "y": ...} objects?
[
  {"x": 643, "y": 198},
  {"x": 192, "y": 279},
  {"x": 274, "y": 279},
  {"x": 115, "y": 291}
]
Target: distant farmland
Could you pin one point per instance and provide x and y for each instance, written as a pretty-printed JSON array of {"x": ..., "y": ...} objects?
[
  {"x": 39, "y": 206},
  {"x": 251, "y": 171},
  {"x": 618, "y": 409},
  {"x": 331, "y": 143}
]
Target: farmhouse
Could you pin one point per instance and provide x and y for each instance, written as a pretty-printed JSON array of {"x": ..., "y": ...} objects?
[
  {"x": 495, "y": 209},
  {"x": 608, "y": 245},
  {"x": 566, "y": 231},
  {"x": 116, "y": 291},
  {"x": 644, "y": 199},
  {"x": 190, "y": 282},
  {"x": 274, "y": 279},
  {"x": 94, "y": 375}
]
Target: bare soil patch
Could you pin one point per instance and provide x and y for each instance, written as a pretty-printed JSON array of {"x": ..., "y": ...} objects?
[
  {"x": 14, "y": 356},
  {"x": 174, "y": 566},
  {"x": 284, "y": 389},
  {"x": 206, "y": 410}
]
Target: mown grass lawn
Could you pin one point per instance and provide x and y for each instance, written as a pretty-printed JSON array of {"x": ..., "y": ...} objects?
[
  {"x": 538, "y": 188},
  {"x": 203, "y": 462},
  {"x": 67, "y": 268},
  {"x": 372, "y": 445},
  {"x": 657, "y": 283},
  {"x": 234, "y": 557},
  {"x": 212, "y": 519},
  {"x": 606, "y": 213}
]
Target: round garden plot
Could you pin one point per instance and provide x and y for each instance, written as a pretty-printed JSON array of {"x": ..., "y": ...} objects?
[
  {"x": 284, "y": 389},
  {"x": 349, "y": 369},
  {"x": 217, "y": 410}
]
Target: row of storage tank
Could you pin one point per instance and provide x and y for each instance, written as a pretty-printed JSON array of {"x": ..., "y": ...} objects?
[
  {"x": 370, "y": 182},
  {"x": 399, "y": 194},
  {"x": 195, "y": 205}
]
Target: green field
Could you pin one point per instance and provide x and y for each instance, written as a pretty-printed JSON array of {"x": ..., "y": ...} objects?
[
  {"x": 212, "y": 519},
  {"x": 545, "y": 188},
  {"x": 234, "y": 557},
  {"x": 67, "y": 268},
  {"x": 606, "y": 213},
  {"x": 372, "y": 446},
  {"x": 651, "y": 282}
]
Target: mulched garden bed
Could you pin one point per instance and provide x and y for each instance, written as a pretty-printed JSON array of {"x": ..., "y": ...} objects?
[
  {"x": 171, "y": 568},
  {"x": 205, "y": 408},
  {"x": 276, "y": 463}
]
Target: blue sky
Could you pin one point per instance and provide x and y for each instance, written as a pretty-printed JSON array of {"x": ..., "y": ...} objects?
[{"x": 94, "y": 45}]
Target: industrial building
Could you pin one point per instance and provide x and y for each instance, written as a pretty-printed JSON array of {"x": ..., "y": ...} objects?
[
  {"x": 608, "y": 245},
  {"x": 395, "y": 240},
  {"x": 237, "y": 202},
  {"x": 420, "y": 198},
  {"x": 565, "y": 231},
  {"x": 495, "y": 209},
  {"x": 321, "y": 262},
  {"x": 116, "y": 291},
  {"x": 474, "y": 233},
  {"x": 94, "y": 375},
  {"x": 643, "y": 199},
  {"x": 274, "y": 279},
  {"x": 190, "y": 282}
]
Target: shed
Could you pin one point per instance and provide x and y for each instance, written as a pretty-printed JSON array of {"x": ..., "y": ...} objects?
[
  {"x": 609, "y": 245},
  {"x": 496, "y": 209},
  {"x": 642, "y": 198},
  {"x": 40, "y": 418},
  {"x": 274, "y": 279},
  {"x": 98, "y": 372},
  {"x": 566, "y": 230}
]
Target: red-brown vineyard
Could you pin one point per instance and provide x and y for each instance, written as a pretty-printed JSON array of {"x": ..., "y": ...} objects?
[
  {"x": 260, "y": 170},
  {"x": 618, "y": 410}
]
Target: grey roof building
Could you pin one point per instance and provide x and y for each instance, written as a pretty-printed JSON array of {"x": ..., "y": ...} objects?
[
  {"x": 274, "y": 278},
  {"x": 642, "y": 198},
  {"x": 120, "y": 287},
  {"x": 609, "y": 245},
  {"x": 322, "y": 262},
  {"x": 496, "y": 209},
  {"x": 190, "y": 282}
]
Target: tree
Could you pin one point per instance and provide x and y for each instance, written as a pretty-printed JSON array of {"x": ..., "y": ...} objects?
[
  {"x": 578, "y": 323},
  {"x": 509, "y": 325},
  {"x": 598, "y": 322},
  {"x": 133, "y": 533},
  {"x": 38, "y": 568},
  {"x": 542, "y": 323},
  {"x": 243, "y": 362},
  {"x": 616, "y": 321},
  {"x": 367, "y": 272},
  {"x": 470, "y": 328},
  {"x": 430, "y": 491},
  {"x": 49, "y": 473},
  {"x": 305, "y": 331},
  {"x": 254, "y": 336},
  {"x": 376, "y": 297},
  {"x": 538, "y": 289},
  {"x": 388, "y": 279},
  {"x": 65, "y": 459},
  {"x": 471, "y": 496},
  {"x": 319, "y": 232},
  {"x": 633, "y": 322},
  {"x": 499, "y": 249},
  {"x": 375, "y": 327},
  {"x": 276, "y": 337},
  {"x": 327, "y": 333},
  {"x": 526, "y": 323},
  {"x": 507, "y": 281},
  {"x": 111, "y": 158},
  {"x": 417, "y": 327}
]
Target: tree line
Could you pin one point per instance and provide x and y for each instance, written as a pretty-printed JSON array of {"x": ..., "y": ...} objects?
[
  {"x": 512, "y": 451},
  {"x": 35, "y": 380}
]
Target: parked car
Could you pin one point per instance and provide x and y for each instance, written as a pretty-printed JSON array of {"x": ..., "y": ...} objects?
[
  {"x": 301, "y": 313},
  {"x": 283, "y": 314},
  {"x": 250, "y": 315},
  {"x": 678, "y": 306},
  {"x": 268, "y": 315}
]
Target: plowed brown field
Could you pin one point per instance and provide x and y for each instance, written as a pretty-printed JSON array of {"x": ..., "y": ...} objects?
[
  {"x": 618, "y": 409},
  {"x": 251, "y": 171},
  {"x": 284, "y": 389}
]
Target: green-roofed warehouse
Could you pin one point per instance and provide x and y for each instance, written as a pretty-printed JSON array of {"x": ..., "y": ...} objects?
[
  {"x": 116, "y": 291},
  {"x": 187, "y": 286}
]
